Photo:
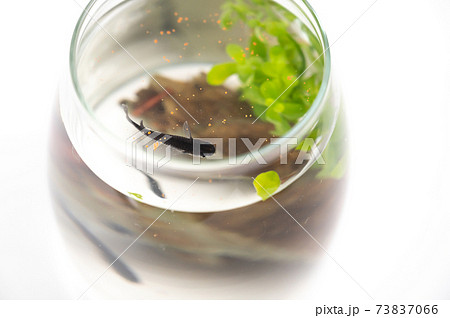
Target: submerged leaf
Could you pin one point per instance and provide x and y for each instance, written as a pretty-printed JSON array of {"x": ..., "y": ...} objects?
[
  {"x": 137, "y": 195},
  {"x": 258, "y": 47},
  {"x": 219, "y": 73},
  {"x": 236, "y": 52},
  {"x": 271, "y": 65},
  {"x": 281, "y": 124},
  {"x": 271, "y": 89}
]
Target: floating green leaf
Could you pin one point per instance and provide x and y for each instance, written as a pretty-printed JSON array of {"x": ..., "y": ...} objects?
[
  {"x": 219, "y": 73},
  {"x": 266, "y": 184}
]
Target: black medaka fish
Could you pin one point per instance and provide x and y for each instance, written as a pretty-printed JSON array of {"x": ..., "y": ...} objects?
[
  {"x": 185, "y": 144},
  {"x": 154, "y": 186},
  {"x": 114, "y": 260}
]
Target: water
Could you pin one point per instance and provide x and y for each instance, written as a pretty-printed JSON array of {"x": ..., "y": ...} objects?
[
  {"x": 230, "y": 191},
  {"x": 254, "y": 251},
  {"x": 106, "y": 74}
]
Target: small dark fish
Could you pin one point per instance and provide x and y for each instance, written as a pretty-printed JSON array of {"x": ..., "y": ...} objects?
[
  {"x": 185, "y": 144},
  {"x": 154, "y": 186},
  {"x": 115, "y": 262}
]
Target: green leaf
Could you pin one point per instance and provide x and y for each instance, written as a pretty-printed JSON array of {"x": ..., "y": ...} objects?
[
  {"x": 281, "y": 124},
  {"x": 253, "y": 95},
  {"x": 278, "y": 55},
  {"x": 137, "y": 195},
  {"x": 242, "y": 10},
  {"x": 219, "y": 73},
  {"x": 244, "y": 71},
  {"x": 271, "y": 89},
  {"x": 258, "y": 47},
  {"x": 293, "y": 51},
  {"x": 258, "y": 110},
  {"x": 289, "y": 78},
  {"x": 293, "y": 111},
  {"x": 236, "y": 52},
  {"x": 276, "y": 28},
  {"x": 253, "y": 23},
  {"x": 270, "y": 69},
  {"x": 226, "y": 19},
  {"x": 266, "y": 184}
]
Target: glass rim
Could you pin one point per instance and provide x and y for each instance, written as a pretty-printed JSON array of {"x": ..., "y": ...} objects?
[{"x": 295, "y": 130}]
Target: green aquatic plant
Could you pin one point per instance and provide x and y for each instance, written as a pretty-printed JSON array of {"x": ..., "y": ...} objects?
[
  {"x": 273, "y": 66},
  {"x": 280, "y": 72}
]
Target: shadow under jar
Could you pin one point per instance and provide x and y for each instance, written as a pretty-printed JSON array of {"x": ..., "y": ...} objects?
[{"x": 194, "y": 227}]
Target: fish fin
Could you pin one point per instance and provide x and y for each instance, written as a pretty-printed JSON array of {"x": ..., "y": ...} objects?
[
  {"x": 125, "y": 109},
  {"x": 142, "y": 124},
  {"x": 187, "y": 130}
]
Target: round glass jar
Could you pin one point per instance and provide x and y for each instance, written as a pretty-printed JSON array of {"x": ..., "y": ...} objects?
[{"x": 191, "y": 227}]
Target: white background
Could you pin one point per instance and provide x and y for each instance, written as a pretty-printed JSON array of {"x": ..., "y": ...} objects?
[{"x": 394, "y": 67}]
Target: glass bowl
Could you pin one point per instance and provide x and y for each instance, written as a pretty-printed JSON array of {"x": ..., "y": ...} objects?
[{"x": 145, "y": 219}]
